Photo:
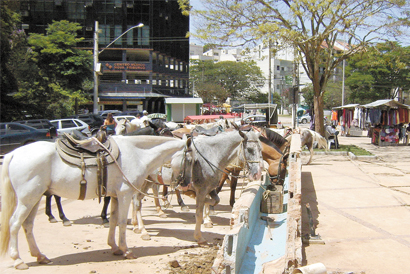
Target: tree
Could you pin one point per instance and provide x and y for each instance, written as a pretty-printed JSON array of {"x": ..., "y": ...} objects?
[
  {"x": 10, "y": 107},
  {"x": 379, "y": 72},
  {"x": 311, "y": 27},
  {"x": 237, "y": 80},
  {"x": 55, "y": 74}
]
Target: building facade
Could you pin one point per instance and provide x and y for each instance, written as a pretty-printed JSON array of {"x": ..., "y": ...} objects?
[{"x": 140, "y": 69}]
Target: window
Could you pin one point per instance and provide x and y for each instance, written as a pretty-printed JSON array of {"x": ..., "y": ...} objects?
[
  {"x": 68, "y": 124},
  {"x": 277, "y": 67},
  {"x": 16, "y": 129}
]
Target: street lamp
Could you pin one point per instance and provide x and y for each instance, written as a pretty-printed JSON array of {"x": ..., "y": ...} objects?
[{"x": 97, "y": 66}]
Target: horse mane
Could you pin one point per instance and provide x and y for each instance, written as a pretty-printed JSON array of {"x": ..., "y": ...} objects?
[
  {"x": 275, "y": 137},
  {"x": 269, "y": 143}
]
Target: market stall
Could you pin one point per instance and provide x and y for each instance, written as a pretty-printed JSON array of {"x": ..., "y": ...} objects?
[
  {"x": 351, "y": 118},
  {"x": 388, "y": 120}
]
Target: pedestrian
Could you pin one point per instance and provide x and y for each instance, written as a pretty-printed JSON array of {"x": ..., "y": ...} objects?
[{"x": 110, "y": 124}]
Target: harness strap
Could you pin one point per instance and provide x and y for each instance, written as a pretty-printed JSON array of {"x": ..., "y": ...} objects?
[{"x": 83, "y": 182}]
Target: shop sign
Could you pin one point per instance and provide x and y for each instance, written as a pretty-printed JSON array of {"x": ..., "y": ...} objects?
[{"x": 126, "y": 66}]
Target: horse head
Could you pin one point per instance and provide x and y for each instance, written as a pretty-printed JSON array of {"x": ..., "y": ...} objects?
[
  {"x": 277, "y": 170},
  {"x": 121, "y": 127},
  {"x": 252, "y": 154}
]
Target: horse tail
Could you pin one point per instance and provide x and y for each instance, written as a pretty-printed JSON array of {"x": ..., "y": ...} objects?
[{"x": 8, "y": 205}]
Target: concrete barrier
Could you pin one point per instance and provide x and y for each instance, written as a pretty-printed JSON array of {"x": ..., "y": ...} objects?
[{"x": 246, "y": 219}]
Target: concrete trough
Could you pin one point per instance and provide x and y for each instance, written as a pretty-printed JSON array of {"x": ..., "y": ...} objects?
[{"x": 254, "y": 245}]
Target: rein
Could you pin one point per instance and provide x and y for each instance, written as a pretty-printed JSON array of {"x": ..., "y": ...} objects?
[{"x": 122, "y": 172}]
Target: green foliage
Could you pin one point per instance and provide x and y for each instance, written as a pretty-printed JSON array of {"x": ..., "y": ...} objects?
[
  {"x": 10, "y": 107},
  {"x": 377, "y": 72},
  {"x": 55, "y": 73},
  {"x": 237, "y": 80},
  {"x": 313, "y": 28}
]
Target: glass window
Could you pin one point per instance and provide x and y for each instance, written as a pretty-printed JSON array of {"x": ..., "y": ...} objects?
[
  {"x": 68, "y": 124},
  {"x": 16, "y": 129}
]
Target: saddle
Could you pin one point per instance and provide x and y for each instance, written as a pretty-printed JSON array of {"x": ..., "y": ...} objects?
[{"x": 86, "y": 153}]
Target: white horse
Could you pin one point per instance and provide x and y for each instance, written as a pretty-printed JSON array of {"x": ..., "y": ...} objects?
[
  {"x": 125, "y": 126},
  {"x": 210, "y": 156},
  {"x": 30, "y": 171}
]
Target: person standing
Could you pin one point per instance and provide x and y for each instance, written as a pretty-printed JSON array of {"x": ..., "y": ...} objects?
[
  {"x": 110, "y": 124},
  {"x": 144, "y": 116}
]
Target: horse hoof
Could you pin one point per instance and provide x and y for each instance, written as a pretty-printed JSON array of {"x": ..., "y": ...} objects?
[
  {"x": 20, "y": 265},
  {"x": 203, "y": 242},
  {"x": 106, "y": 223},
  {"x": 137, "y": 230},
  {"x": 208, "y": 225},
  {"x": 43, "y": 260},
  {"x": 163, "y": 215},
  {"x": 129, "y": 255},
  {"x": 67, "y": 223},
  {"x": 146, "y": 237},
  {"x": 53, "y": 220},
  {"x": 185, "y": 208},
  {"x": 118, "y": 252}
]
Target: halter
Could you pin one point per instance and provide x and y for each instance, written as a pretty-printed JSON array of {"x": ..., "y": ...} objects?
[
  {"x": 223, "y": 171},
  {"x": 278, "y": 176}
]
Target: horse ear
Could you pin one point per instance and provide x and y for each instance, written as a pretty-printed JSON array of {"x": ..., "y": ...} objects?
[
  {"x": 189, "y": 142},
  {"x": 235, "y": 125},
  {"x": 243, "y": 135}
]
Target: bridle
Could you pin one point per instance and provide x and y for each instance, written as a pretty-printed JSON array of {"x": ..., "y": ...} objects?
[
  {"x": 247, "y": 162},
  {"x": 278, "y": 177}
]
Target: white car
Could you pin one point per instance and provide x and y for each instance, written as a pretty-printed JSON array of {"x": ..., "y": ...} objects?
[
  {"x": 121, "y": 117},
  {"x": 304, "y": 119},
  {"x": 69, "y": 124}
]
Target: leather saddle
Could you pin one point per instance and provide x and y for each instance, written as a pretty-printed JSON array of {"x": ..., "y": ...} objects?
[{"x": 86, "y": 151}]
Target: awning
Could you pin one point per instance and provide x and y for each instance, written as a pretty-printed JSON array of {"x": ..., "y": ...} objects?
[{"x": 386, "y": 102}]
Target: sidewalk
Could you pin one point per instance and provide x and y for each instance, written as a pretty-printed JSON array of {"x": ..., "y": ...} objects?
[{"x": 360, "y": 209}]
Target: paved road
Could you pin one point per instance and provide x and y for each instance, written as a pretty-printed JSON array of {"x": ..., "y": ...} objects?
[{"x": 360, "y": 210}]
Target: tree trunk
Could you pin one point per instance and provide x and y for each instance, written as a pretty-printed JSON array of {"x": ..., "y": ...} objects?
[{"x": 318, "y": 108}]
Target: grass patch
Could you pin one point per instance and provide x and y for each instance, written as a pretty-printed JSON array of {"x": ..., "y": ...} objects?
[{"x": 350, "y": 148}]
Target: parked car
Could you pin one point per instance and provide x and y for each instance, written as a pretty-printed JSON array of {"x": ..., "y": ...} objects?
[
  {"x": 304, "y": 119},
  {"x": 69, "y": 124},
  {"x": 36, "y": 123},
  {"x": 129, "y": 112},
  {"x": 93, "y": 120},
  {"x": 259, "y": 120},
  {"x": 14, "y": 135},
  {"x": 121, "y": 117},
  {"x": 104, "y": 113}
]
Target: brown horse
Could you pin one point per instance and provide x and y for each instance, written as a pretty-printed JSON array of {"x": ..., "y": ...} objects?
[{"x": 275, "y": 158}]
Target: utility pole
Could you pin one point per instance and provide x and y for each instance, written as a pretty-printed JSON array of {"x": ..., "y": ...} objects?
[
  {"x": 95, "y": 54},
  {"x": 270, "y": 77}
]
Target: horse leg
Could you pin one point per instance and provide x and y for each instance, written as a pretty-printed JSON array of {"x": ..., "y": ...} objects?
[
  {"x": 167, "y": 204},
  {"x": 233, "y": 184},
  {"x": 311, "y": 154},
  {"x": 66, "y": 222},
  {"x": 123, "y": 204},
  {"x": 137, "y": 221},
  {"x": 208, "y": 204},
  {"x": 161, "y": 213},
  {"x": 225, "y": 177},
  {"x": 181, "y": 202},
  {"x": 28, "y": 229},
  {"x": 23, "y": 214},
  {"x": 51, "y": 218},
  {"x": 199, "y": 215},
  {"x": 104, "y": 211},
  {"x": 113, "y": 225}
]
